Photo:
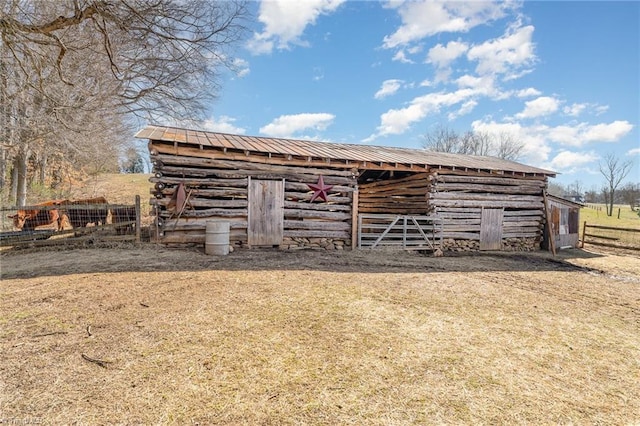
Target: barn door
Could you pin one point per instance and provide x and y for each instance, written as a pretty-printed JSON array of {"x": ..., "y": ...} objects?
[
  {"x": 266, "y": 212},
  {"x": 491, "y": 229}
]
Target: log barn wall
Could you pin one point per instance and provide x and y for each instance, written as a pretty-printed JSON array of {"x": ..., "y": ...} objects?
[
  {"x": 459, "y": 197},
  {"x": 217, "y": 189}
]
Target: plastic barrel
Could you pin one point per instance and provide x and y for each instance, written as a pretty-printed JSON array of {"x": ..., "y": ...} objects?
[{"x": 216, "y": 238}]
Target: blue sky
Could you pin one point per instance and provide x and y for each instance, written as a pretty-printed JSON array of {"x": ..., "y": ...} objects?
[{"x": 562, "y": 77}]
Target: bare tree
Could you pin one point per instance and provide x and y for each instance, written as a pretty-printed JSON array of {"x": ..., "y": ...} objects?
[
  {"x": 556, "y": 189},
  {"x": 508, "y": 147},
  {"x": 614, "y": 172},
  {"x": 631, "y": 194},
  {"x": 442, "y": 139},
  {"x": 73, "y": 68},
  {"x": 502, "y": 145}
]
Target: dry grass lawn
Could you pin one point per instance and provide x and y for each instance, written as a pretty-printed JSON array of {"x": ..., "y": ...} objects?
[{"x": 266, "y": 337}]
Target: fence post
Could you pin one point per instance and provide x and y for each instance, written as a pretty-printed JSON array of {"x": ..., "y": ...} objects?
[
  {"x": 618, "y": 212},
  {"x": 584, "y": 231},
  {"x": 138, "y": 221}
]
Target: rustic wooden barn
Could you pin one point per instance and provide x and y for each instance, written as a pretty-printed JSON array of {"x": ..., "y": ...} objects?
[
  {"x": 294, "y": 193},
  {"x": 563, "y": 224}
]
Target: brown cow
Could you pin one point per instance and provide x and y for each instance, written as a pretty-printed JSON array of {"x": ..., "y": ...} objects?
[
  {"x": 47, "y": 217},
  {"x": 82, "y": 212}
]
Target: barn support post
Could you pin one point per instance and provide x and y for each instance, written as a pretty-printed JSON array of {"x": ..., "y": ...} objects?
[
  {"x": 354, "y": 219},
  {"x": 138, "y": 221},
  {"x": 547, "y": 214}
]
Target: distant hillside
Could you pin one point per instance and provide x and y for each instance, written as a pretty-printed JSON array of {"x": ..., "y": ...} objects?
[{"x": 115, "y": 187}]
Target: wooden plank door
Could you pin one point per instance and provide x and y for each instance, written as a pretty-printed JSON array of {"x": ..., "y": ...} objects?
[
  {"x": 491, "y": 229},
  {"x": 266, "y": 212}
]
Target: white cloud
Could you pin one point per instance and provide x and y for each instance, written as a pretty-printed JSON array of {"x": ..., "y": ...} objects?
[
  {"x": 400, "y": 56},
  {"x": 285, "y": 21},
  {"x": 580, "y": 134},
  {"x": 425, "y": 18},
  {"x": 574, "y": 110},
  {"x": 506, "y": 54},
  {"x": 568, "y": 161},
  {"x": 241, "y": 67},
  {"x": 288, "y": 125},
  {"x": 398, "y": 121},
  {"x": 441, "y": 56},
  {"x": 634, "y": 151},
  {"x": 536, "y": 148},
  {"x": 481, "y": 85},
  {"x": 607, "y": 132},
  {"x": 222, "y": 124},
  {"x": 544, "y": 105},
  {"x": 528, "y": 92},
  {"x": 389, "y": 87},
  {"x": 465, "y": 109}
]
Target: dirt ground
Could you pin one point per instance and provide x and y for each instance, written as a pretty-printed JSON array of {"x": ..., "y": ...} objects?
[{"x": 151, "y": 335}]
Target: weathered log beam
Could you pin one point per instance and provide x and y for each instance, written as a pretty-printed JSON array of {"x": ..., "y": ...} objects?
[
  {"x": 303, "y": 233},
  {"x": 303, "y": 187},
  {"x": 486, "y": 203},
  {"x": 414, "y": 177},
  {"x": 202, "y": 192},
  {"x": 317, "y": 225},
  {"x": 316, "y": 206},
  {"x": 239, "y": 174},
  {"x": 212, "y": 213},
  {"x": 205, "y": 202},
  {"x": 494, "y": 180},
  {"x": 331, "y": 198},
  {"x": 205, "y": 182},
  {"x": 176, "y": 160},
  {"x": 495, "y": 189},
  {"x": 315, "y": 214},
  {"x": 505, "y": 198}
]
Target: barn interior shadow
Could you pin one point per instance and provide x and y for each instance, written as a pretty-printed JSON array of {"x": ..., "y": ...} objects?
[{"x": 153, "y": 258}]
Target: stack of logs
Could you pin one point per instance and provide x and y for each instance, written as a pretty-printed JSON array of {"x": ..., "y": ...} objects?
[{"x": 406, "y": 195}]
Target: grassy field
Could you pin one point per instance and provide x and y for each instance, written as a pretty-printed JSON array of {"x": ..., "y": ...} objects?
[
  {"x": 155, "y": 336},
  {"x": 596, "y": 215}
]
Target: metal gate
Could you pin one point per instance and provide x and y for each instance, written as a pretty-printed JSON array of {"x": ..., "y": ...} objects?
[{"x": 399, "y": 231}]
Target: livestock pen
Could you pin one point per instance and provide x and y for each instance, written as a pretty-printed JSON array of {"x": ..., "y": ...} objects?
[{"x": 57, "y": 222}]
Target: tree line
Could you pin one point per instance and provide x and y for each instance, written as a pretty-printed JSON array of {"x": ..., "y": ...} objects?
[{"x": 78, "y": 75}]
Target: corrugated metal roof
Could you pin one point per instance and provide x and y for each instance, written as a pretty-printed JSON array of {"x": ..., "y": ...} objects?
[{"x": 335, "y": 151}]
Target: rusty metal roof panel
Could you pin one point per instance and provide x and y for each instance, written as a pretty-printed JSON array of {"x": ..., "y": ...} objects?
[{"x": 340, "y": 151}]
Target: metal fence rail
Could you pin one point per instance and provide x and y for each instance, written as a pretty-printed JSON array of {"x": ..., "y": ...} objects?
[{"x": 406, "y": 232}]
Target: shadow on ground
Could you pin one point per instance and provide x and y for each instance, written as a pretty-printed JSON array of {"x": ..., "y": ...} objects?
[{"x": 152, "y": 258}]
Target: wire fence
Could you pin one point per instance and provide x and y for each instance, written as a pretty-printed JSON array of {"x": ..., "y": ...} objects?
[{"x": 69, "y": 221}]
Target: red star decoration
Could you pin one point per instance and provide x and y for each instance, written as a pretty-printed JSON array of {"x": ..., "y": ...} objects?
[{"x": 319, "y": 189}]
